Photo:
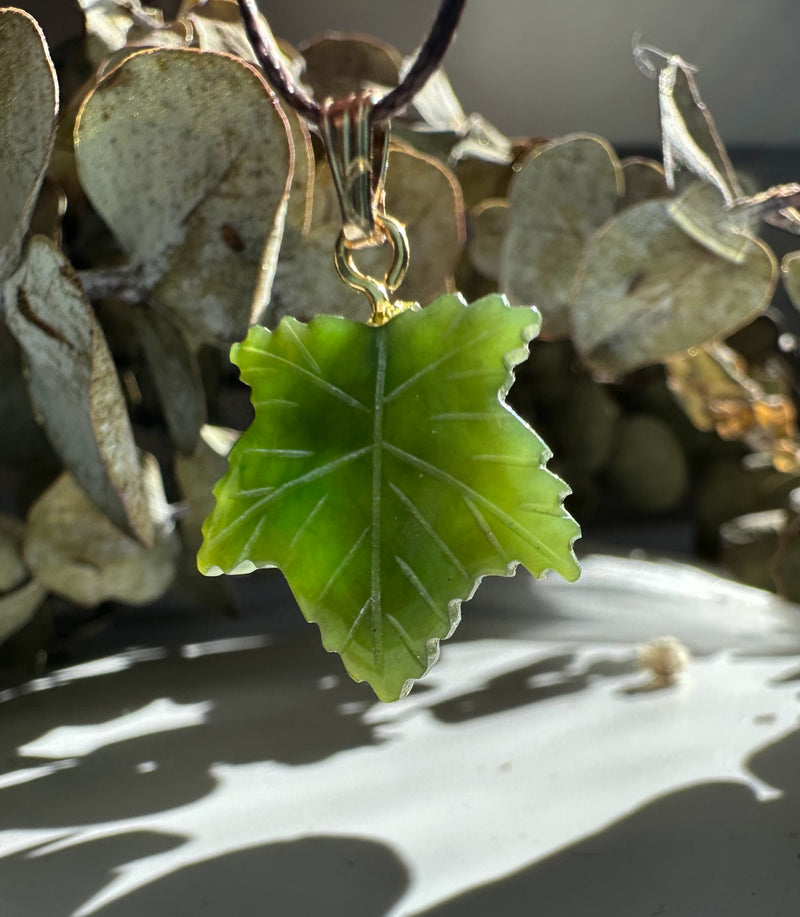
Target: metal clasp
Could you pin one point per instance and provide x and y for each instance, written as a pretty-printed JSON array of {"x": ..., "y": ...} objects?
[{"x": 357, "y": 150}]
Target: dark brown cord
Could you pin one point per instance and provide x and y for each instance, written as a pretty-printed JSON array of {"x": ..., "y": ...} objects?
[
  {"x": 268, "y": 55},
  {"x": 425, "y": 64}
]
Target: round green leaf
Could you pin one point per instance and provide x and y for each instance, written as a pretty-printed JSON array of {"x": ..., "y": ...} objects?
[
  {"x": 74, "y": 386},
  {"x": 562, "y": 195},
  {"x": 481, "y": 180},
  {"x": 487, "y": 225},
  {"x": 645, "y": 291},
  {"x": 28, "y": 108},
  {"x": 425, "y": 196},
  {"x": 339, "y": 64},
  {"x": 174, "y": 148},
  {"x": 217, "y": 25},
  {"x": 790, "y": 274},
  {"x": 643, "y": 179},
  {"x": 385, "y": 475},
  {"x": 701, "y": 213}
]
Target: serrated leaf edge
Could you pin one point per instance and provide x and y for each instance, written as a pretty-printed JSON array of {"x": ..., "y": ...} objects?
[{"x": 511, "y": 359}]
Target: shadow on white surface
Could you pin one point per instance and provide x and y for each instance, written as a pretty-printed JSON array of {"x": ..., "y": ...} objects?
[
  {"x": 707, "y": 849},
  {"x": 300, "y": 878},
  {"x": 235, "y": 771}
]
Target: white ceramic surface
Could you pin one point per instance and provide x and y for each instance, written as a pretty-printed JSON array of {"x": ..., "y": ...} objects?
[{"x": 201, "y": 765}]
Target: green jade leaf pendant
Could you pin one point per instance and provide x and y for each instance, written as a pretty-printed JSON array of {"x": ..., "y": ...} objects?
[{"x": 385, "y": 475}]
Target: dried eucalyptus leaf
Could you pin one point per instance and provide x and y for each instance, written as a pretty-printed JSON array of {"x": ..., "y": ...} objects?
[
  {"x": 706, "y": 376},
  {"x": 112, "y": 24},
  {"x": 13, "y": 571},
  {"x": 689, "y": 134},
  {"x": 172, "y": 35},
  {"x": 437, "y": 103},
  {"x": 338, "y": 64},
  {"x": 790, "y": 274},
  {"x": 74, "y": 386},
  {"x": 176, "y": 36},
  {"x": 447, "y": 130},
  {"x": 197, "y": 474},
  {"x": 174, "y": 148},
  {"x": 18, "y": 608},
  {"x": 28, "y": 109},
  {"x": 78, "y": 553},
  {"x": 484, "y": 142},
  {"x": 176, "y": 374},
  {"x": 217, "y": 25},
  {"x": 645, "y": 291},
  {"x": 644, "y": 180},
  {"x": 481, "y": 180},
  {"x": 51, "y": 205},
  {"x": 28, "y": 445},
  {"x": 432, "y": 143},
  {"x": 423, "y": 195},
  {"x": 301, "y": 198},
  {"x": 712, "y": 385},
  {"x": 701, "y": 213},
  {"x": 564, "y": 192},
  {"x": 777, "y": 205},
  {"x": 487, "y": 225},
  {"x": 306, "y": 283}
]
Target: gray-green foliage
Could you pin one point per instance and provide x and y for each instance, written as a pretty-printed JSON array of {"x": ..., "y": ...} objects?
[
  {"x": 562, "y": 195},
  {"x": 28, "y": 106},
  {"x": 172, "y": 148},
  {"x": 646, "y": 290},
  {"x": 198, "y": 206}
]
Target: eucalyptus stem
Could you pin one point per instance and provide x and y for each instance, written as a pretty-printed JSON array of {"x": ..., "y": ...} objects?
[{"x": 124, "y": 284}]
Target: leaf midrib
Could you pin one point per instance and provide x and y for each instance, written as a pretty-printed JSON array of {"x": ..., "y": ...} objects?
[{"x": 377, "y": 437}]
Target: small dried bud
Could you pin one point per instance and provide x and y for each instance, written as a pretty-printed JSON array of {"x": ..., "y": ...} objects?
[{"x": 665, "y": 658}]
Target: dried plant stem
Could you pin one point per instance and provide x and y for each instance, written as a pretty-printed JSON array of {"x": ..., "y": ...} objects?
[{"x": 124, "y": 284}]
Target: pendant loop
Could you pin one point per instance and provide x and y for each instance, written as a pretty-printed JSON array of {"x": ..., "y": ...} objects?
[
  {"x": 357, "y": 149},
  {"x": 378, "y": 292}
]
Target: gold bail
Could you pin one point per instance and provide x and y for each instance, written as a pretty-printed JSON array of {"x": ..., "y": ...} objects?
[{"x": 357, "y": 149}]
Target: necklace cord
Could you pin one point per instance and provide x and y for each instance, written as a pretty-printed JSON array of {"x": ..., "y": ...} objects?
[
  {"x": 354, "y": 131},
  {"x": 268, "y": 55},
  {"x": 427, "y": 61}
]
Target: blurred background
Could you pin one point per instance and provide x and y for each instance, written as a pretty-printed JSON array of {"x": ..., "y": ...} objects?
[
  {"x": 545, "y": 70},
  {"x": 172, "y": 759},
  {"x": 556, "y": 66}
]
